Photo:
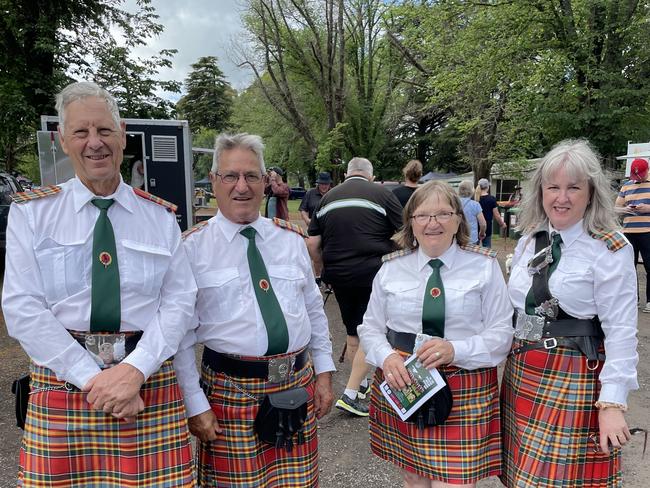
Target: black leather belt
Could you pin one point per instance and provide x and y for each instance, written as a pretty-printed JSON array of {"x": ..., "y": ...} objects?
[
  {"x": 272, "y": 369},
  {"x": 548, "y": 343},
  {"x": 404, "y": 341},
  {"x": 131, "y": 338}
]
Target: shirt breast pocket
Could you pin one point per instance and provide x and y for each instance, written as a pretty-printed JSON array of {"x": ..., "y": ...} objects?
[
  {"x": 463, "y": 297},
  {"x": 64, "y": 268},
  {"x": 221, "y": 295},
  {"x": 143, "y": 267},
  {"x": 574, "y": 278},
  {"x": 288, "y": 282},
  {"x": 403, "y": 297}
]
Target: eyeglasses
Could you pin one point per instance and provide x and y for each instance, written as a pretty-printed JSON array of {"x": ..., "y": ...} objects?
[
  {"x": 441, "y": 218},
  {"x": 230, "y": 178}
]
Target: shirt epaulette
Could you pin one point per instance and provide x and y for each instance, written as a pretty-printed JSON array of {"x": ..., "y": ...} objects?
[
  {"x": 284, "y": 224},
  {"x": 613, "y": 240},
  {"x": 396, "y": 254},
  {"x": 195, "y": 228},
  {"x": 485, "y": 251},
  {"x": 35, "y": 194},
  {"x": 153, "y": 198}
]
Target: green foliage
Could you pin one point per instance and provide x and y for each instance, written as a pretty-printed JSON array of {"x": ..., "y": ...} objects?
[
  {"x": 208, "y": 102},
  {"x": 204, "y": 138}
]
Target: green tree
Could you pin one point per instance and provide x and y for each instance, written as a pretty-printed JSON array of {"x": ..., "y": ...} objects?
[{"x": 208, "y": 102}]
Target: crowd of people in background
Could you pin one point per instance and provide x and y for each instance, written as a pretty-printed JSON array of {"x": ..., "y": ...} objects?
[{"x": 97, "y": 265}]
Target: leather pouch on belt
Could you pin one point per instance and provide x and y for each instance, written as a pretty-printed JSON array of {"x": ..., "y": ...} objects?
[
  {"x": 281, "y": 417},
  {"x": 435, "y": 410}
]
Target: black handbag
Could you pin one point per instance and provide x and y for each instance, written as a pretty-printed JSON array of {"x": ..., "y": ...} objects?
[
  {"x": 435, "y": 410},
  {"x": 20, "y": 388},
  {"x": 281, "y": 416}
]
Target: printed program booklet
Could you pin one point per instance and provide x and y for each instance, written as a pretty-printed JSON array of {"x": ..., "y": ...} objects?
[{"x": 425, "y": 383}]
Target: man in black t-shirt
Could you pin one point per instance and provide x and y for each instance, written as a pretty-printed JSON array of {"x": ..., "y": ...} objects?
[
  {"x": 349, "y": 233},
  {"x": 312, "y": 198}
]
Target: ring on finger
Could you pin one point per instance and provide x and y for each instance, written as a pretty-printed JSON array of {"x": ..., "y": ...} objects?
[{"x": 437, "y": 354}]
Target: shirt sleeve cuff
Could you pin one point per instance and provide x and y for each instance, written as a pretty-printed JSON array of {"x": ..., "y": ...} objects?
[
  {"x": 613, "y": 393},
  {"x": 377, "y": 359},
  {"x": 322, "y": 363},
  {"x": 461, "y": 351},
  {"x": 196, "y": 403},
  {"x": 143, "y": 361},
  {"x": 82, "y": 372}
]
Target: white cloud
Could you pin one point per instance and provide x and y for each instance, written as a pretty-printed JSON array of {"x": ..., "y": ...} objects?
[{"x": 198, "y": 28}]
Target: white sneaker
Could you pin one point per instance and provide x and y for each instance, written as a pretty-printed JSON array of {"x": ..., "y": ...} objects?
[{"x": 646, "y": 309}]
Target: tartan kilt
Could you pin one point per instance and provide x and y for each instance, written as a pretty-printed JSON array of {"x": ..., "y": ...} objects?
[
  {"x": 465, "y": 449},
  {"x": 238, "y": 458},
  {"x": 547, "y": 407},
  {"x": 66, "y": 443}
]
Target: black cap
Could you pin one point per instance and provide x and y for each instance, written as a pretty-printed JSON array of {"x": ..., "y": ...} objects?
[
  {"x": 324, "y": 178},
  {"x": 277, "y": 170}
]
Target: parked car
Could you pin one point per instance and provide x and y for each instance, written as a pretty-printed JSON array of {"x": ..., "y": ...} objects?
[
  {"x": 296, "y": 193},
  {"x": 8, "y": 186}
]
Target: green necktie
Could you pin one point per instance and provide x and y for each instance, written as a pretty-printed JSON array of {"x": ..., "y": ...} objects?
[
  {"x": 105, "y": 290},
  {"x": 276, "y": 326},
  {"x": 433, "y": 306},
  {"x": 556, "y": 252}
]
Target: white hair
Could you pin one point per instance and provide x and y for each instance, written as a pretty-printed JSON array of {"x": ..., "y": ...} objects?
[
  {"x": 226, "y": 142},
  {"x": 81, "y": 90},
  {"x": 360, "y": 165}
]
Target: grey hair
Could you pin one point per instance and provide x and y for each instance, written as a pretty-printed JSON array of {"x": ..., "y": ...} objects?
[
  {"x": 484, "y": 183},
  {"x": 405, "y": 238},
  {"x": 359, "y": 165},
  {"x": 466, "y": 189},
  {"x": 581, "y": 162},
  {"x": 79, "y": 91},
  {"x": 243, "y": 140}
]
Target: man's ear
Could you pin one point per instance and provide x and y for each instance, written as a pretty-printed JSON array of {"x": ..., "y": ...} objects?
[{"x": 62, "y": 140}]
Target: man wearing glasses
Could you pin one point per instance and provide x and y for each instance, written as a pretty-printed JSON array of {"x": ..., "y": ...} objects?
[{"x": 267, "y": 349}]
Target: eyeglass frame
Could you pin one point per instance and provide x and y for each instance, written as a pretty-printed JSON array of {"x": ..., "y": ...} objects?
[
  {"x": 434, "y": 217},
  {"x": 240, "y": 175}
]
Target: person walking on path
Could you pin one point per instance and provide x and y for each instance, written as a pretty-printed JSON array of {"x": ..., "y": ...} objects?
[
  {"x": 473, "y": 212},
  {"x": 312, "y": 198},
  {"x": 412, "y": 173},
  {"x": 350, "y": 232},
  {"x": 490, "y": 210}
]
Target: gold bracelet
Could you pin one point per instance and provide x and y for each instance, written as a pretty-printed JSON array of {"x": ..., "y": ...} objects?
[{"x": 606, "y": 405}]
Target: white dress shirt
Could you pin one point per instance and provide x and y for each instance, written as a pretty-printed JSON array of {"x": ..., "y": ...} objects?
[
  {"x": 47, "y": 286},
  {"x": 591, "y": 280},
  {"x": 229, "y": 319},
  {"x": 478, "y": 315}
]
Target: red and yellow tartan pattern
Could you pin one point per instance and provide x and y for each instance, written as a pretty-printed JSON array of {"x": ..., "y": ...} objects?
[
  {"x": 67, "y": 444},
  {"x": 548, "y": 414},
  {"x": 614, "y": 240},
  {"x": 485, "y": 251},
  {"x": 153, "y": 198},
  {"x": 396, "y": 254},
  {"x": 35, "y": 194},
  {"x": 465, "y": 449},
  {"x": 237, "y": 458},
  {"x": 195, "y": 228},
  {"x": 284, "y": 224}
]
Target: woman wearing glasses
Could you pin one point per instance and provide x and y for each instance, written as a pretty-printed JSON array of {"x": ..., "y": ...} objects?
[
  {"x": 574, "y": 357},
  {"x": 439, "y": 285}
]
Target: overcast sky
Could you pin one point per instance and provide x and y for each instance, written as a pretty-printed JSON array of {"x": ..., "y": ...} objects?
[{"x": 198, "y": 28}]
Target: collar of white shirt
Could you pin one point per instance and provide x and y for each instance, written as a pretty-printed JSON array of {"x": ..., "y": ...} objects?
[
  {"x": 230, "y": 229},
  {"x": 448, "y": 257},
  {"x": 82, "y": 195},
  {"x": 569, "y": 235}
]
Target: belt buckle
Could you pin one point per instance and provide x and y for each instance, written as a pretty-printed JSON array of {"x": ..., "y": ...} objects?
[
  {"x": 529, "y": 327},
  {"x": 280, "y": 369},
  {"x": 550, "y": 343},
  {"x": 107, "y": 350}
]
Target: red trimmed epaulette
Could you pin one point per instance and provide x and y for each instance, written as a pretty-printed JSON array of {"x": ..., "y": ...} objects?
[
  {"x": 485, "y": 251},
  {"x": 194, "y": 228},
  {"x": 285, "y": 224},
  {"x": 613, "y": 240},
  {"x": 35, "y": 194},
  {"x": 153, "y": 198},
  {"x": 396, "y": 254}
]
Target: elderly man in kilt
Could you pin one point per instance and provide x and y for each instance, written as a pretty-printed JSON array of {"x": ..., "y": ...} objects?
[
  {"x": 99, "y": 293},
  {"x": 267, "y": 361}
]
